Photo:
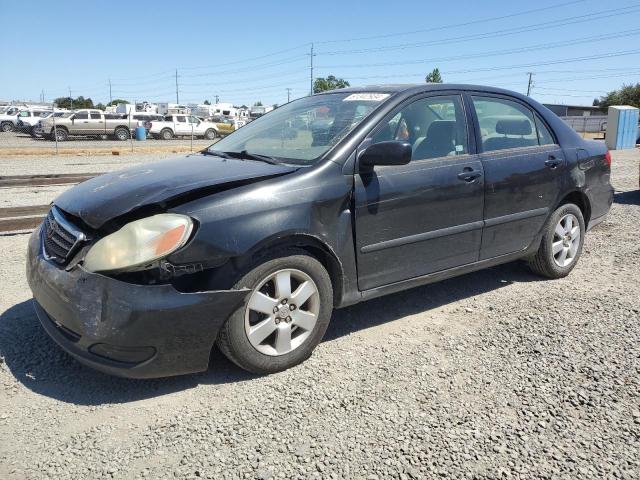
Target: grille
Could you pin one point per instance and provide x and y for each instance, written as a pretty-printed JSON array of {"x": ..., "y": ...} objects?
[{"x": 60, "y": 238}]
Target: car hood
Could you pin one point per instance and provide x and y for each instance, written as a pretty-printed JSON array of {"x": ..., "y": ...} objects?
[{"x": 109, "y": 196}]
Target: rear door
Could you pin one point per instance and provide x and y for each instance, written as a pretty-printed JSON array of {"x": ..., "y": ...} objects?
[
  {"x": 182, "y": 127},
  {"x": 426, "y": 216},
  {"x": 523, "y": 168},
  {"x": 96, "y": 122}
]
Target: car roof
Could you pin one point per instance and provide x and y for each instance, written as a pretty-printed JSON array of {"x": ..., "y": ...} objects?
[{"x": 413, "y": 88}]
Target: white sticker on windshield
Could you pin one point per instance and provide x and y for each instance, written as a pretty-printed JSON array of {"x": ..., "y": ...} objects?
[
  {"x": 459, "y": 148},
  {"x": 371, "y": 97}
]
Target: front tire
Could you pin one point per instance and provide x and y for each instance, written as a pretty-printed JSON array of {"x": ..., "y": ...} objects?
[
  {"x": 283, "y": 318},
  {"x": 210, "y": 134},
  {"x": 561, "y": 245},
  {"x": 60, "y": 134},
  {"x": 7, "y": 127}
]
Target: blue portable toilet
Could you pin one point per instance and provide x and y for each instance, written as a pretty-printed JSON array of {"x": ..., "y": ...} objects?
[
  {"x": 141, "y": 133},
  {"x": 622, "y": 127}
]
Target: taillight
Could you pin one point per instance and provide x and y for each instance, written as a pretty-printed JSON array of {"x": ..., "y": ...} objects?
[{"x": 607, "y": 158}]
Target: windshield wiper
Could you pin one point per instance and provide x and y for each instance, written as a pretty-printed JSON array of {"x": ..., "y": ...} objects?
[
  {"x": 216, "y": 153},
  {"x": 253, "y": 156}
]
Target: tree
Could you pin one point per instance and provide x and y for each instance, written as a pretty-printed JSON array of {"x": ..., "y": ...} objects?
[
  {"x": 329, "y": 83},
  {"x": 75, "y": 103},
  {"x": 116, "y": 102},
  {"x": 434, "y": 76},
  {"x": 257, "y": 104},
  {"x": 207, "y": 102},
  {"x": 627, "y": 95},
  {"x": 100, "y": 106}
]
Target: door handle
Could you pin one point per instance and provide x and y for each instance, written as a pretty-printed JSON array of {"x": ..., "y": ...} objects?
[
  {"x": 552, "y": 162},
  {"x": 469, "y": 175}
]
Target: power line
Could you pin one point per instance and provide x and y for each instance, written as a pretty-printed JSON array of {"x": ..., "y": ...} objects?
[
  {"x": 455, "y": 25},
  {"x": 499, "y": 33}
]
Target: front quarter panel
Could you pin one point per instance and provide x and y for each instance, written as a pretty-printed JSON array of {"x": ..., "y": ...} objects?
[{"x": 314, "y": 203}]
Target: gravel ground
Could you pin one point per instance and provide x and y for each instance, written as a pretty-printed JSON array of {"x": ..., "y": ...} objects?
[
  {"x": 22, "y": 140},
  {"x": 496, "y": 374}
]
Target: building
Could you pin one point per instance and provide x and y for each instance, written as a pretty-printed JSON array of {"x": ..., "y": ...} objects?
[{"x": 574, "y": 110}]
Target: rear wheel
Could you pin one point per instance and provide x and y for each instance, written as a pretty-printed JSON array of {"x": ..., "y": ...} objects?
[
  {"x": 6, "y": 127},
  {"x": 166, "y": 134},
  {"x": 283, "y": 318},
  {"x": 561, "y": 243},
  {"x": 122, "y": 134}
]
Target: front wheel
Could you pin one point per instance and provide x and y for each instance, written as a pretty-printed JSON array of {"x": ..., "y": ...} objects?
[
  {"x": 6, "y": 127},
  {"x": 166, "y": 134},
  {"x": 210, "y": 134},
  {"x": 283, "y": 318},
  {"x": 561, "y": 245}
]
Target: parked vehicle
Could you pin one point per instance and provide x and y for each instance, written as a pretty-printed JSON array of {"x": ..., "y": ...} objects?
[
  {"x": 253, "y": 242},
  {"x": 87, "y": 122},
  {"x": 28, "y": 119},
  {"x": 9, "y": 119},
  {"x": 179, "y": 125},
  {"x": 38, "y": 126}
]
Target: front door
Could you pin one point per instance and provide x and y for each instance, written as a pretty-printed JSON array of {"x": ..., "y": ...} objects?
[
  {"x": 426, "y": 216},
  {"x": 522, "y": 169},
  {"x": 81, "y": 123}
]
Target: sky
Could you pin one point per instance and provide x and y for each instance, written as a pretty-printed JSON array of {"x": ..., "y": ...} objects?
[{"x": 251, "y": 51}]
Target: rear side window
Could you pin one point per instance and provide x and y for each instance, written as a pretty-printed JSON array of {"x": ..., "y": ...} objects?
[
  {"x": 82, "y": 115},
  {"x": 180, "y": 118},
  {"x": 95, "y": 116},
  {"x": 504, "y": 124},
  {"x": 544, "y": 135},
  {"x": 434, "y": 126}
]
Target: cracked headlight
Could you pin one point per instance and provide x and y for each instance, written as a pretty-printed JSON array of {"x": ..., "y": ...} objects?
[{"x": 140, "y": 242}]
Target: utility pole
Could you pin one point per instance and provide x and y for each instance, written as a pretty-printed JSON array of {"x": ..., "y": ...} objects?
[
  {"x": 530, "y": 83},
  {"x": 177, "y": 96},
  {"x": 217, "y": 99},
  {"x": 288, "y": 95},
  {"x": 110, "y": 97},
  {"x": 311, "y": 55},
  {"x": 70, "y": 98}
]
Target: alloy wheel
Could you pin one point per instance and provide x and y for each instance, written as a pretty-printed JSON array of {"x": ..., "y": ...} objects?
[
  {"x": 566, "y": 240},
  {"x": 282, "y": 312}
]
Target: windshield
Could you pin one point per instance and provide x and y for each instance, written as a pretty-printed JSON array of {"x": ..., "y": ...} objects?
[{"x": 304, "y": 130}]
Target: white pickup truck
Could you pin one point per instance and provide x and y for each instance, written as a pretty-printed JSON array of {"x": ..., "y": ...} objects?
[
  {"x": 179, "y": 125},
  {"x": 9, "y": 119}
]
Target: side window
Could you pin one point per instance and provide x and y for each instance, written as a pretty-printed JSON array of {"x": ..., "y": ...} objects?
[
  {"x": 194, "y": 120},
  {"x": 180, "y": 118},
  {"x": 81, "y": 116},
  {"x": 504, "y": 124},
  {"x": 95, "y": 116},
  {"x": 544, "y": 135},
  {"x": 434, "y": 126}
]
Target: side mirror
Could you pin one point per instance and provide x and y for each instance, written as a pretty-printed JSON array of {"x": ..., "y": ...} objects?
[{"x": 386, "y": 153}]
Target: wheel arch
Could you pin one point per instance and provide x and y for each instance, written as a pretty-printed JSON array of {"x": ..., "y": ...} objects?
[
  {"x": 312, "y": 245},
  {"x": 581, "y": 200}
]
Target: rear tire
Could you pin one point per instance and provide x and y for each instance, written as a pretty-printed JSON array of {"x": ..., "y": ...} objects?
[
  {"x": 291, "y": 332},
  {"x": 122, "y": 134},
  {"x": 166, "y": 134},
  {"x": 561, "y": 244}
]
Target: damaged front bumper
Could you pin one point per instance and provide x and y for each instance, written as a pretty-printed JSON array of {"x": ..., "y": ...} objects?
[{"x": 124, "y": 329}]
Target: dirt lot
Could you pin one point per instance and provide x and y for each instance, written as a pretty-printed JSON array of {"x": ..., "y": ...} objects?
[{"x": 497, "y": 374}]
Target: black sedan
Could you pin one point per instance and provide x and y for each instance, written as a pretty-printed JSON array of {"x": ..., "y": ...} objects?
[{"x": 327, "y": 201}]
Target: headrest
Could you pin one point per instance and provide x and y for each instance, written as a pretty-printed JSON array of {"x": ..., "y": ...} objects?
[
  {"x": 514, "y": 127},
  {"x": 441, "y": 128}
]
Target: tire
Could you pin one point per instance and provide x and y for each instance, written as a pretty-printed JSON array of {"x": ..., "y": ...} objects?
[
  {"x": 7, "y": 127},
  {"x": 33, "y": 133},
  {"x": 61, "y": 134},
  {"x": 210, "y": 134},
  {"x": 304, "y": 327},
  {"x": 122, "y": 134},
  {"x": 561, "y": 244},
  {"x": 166, "y": 134}
]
